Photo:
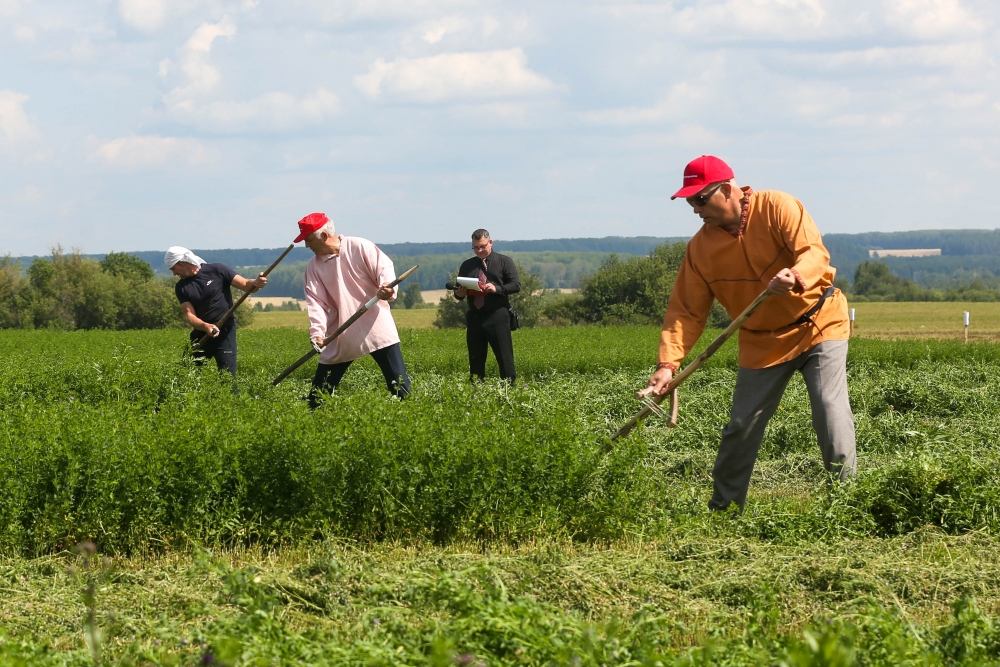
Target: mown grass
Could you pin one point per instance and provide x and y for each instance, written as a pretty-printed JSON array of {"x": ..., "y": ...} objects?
[
  {"x": 484, "y": 520},
  {"x": 942, "y": 320}
]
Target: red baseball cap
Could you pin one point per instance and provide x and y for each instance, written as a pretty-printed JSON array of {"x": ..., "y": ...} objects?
[
  {"x": 310, "y": 224},
  {"x": 703, "y": 171}
]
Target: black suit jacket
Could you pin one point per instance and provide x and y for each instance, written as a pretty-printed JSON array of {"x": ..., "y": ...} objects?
[{"x": 501, "y": 271}]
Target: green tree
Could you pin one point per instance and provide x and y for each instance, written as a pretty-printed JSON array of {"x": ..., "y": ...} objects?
[
  {"x": 70, "y": 291},
  {"x": 874, "y": 281},
  {"x": 15, "y": 294},
  {"x": 127, "y": 266},
  {"x": 451, "y": 311},
  {"x": 412, "y": 298},
  {"x": 528, "y": 302},
  {"x": 635, "y": 290}
]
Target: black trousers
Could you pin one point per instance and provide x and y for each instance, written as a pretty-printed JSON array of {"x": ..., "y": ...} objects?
[
  {"x": 222, "y": 349},
  {"x": 390, "y": 362},
  {"x": 493, "y": 330}
]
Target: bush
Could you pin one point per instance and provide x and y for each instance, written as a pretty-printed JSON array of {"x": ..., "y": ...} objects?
[
  {"x": 70, "y": 291},
  {"x": 411, "y": 297},
  {"x": 15, "y": 305},
  {"x": 635, "y": 290}
]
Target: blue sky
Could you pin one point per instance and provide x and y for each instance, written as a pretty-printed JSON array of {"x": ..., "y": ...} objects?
[{"x": 139, "y": 124}]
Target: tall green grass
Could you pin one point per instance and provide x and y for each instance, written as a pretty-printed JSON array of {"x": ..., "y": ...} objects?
[{"x": 114, "y": 438}]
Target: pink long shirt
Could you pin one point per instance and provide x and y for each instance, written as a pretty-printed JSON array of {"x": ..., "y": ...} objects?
[{"x": 336, "y": 286}]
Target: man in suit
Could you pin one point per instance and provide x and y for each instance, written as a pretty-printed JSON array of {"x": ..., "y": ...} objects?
[{"x": 488, "y": 318}]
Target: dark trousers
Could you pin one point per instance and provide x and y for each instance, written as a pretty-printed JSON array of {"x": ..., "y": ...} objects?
[
  {"x": 222, "y": 349},
  {"x": 493, "y": 330},
  {"x": 389, "y": 360}
]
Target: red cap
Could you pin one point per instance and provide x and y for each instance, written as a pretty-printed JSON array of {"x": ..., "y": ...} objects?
[
  {"x": 703, "y": 171},
  {"x": 310, "y": 224}
]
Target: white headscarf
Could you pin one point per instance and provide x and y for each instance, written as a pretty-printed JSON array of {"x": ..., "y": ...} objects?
[{"x": 176, "y": 253}]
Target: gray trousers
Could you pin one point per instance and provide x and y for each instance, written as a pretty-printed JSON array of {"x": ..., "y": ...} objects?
[{"x": 758, "y": 393}]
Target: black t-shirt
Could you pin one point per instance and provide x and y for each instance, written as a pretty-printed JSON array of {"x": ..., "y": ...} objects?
[{"x": 208, "y": 291}]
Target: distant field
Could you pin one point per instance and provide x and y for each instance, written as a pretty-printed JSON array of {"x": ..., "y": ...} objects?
[
  {"x": 927, "y": 320},
  {"x": 874, "y": 320}
]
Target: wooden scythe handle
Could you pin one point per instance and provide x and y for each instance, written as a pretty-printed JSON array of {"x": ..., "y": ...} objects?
[{"x": 229, "y": 313}]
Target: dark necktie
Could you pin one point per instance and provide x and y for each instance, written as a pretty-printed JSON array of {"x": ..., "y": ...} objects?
[{"x": 480, "y": 299}]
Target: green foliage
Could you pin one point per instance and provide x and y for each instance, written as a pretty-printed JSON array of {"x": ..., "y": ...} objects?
[
  {"x": 451, "y": 311},
  {"x": 411, "y": 297},
  {"x": 127, "y": 266},
  {"x": 15, "y": 299},
  {"x": 285, "y": 306},
  {"x": 111, "y": 437},
  {"x": 635, "y": 290},
  {"x": 529, "y": 300},
  {"x": 70, "y": 291},
  {"x": 875, "y": 282}
]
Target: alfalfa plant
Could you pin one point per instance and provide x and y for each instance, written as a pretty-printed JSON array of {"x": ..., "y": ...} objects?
[{"x": 90, "y": 573}]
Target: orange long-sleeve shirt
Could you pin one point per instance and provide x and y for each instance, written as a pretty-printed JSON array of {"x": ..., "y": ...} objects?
[{"x": 734, "y": 268}]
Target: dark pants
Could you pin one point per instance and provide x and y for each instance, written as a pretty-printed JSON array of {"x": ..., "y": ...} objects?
[
  {"x": 389, "y": 360},
  {"x": 222, "y": 349},
  {"x": 493, "y": 330}
]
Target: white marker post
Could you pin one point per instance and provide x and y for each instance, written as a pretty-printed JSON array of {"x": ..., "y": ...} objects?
[
  {"x": 852, "y": 322},
  {"x": 966, "y": 326}
]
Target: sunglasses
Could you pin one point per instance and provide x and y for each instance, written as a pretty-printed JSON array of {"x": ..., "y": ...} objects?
[{"x": 702, "y": 199}]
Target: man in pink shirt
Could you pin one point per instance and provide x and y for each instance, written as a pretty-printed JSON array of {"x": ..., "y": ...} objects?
[{"x": 345, "y": 273}]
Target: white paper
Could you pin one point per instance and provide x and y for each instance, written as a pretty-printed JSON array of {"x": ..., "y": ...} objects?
[{"x": 469, "y": 283}]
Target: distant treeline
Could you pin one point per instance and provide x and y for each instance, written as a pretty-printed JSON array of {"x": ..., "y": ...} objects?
[
  {"x": 241, "y": 257},
  {"x": 555, "y": 269},
  {"x": 969, "y": 257},
  {"x": 874, "y": 281}
]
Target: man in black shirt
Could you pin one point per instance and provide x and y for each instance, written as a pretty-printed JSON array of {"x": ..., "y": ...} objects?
[
  {"x": 488, "y": 319},
  {"x": 203, "y": 290}
]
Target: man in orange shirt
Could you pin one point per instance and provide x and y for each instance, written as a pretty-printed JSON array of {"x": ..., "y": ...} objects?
[{"x": 751, "y": 241}]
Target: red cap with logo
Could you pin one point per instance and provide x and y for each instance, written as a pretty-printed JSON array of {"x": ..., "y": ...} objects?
[
  {"x": 703, "y": 171},
  {"x": 310, "y": 224}
]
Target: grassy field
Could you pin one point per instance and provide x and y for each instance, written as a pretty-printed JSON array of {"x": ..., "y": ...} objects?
[
  {"x": 941, "y": 320},
  {"x": 483, "y": 525}
]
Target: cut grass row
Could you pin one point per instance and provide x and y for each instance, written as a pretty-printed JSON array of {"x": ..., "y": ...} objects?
[{"x": 684, "y": 599}]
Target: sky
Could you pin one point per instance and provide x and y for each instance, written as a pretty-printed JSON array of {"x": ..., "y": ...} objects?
[{"x": 139, "y": 124}]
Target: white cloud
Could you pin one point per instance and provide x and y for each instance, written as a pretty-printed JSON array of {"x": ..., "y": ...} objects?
[
  {"x": 960, "y": 55},
  {"x": 145, "y": 15},
  {"x": 450, "y": 76},
  {"x": 781, "y": 20},
  {"x": 201, "y": 77},
  {"x": 148, "y": 151},
  {"x": 10, "y": 8},
  {"x": 683, "y": 96},
  {"x": 931, "y": 19},
  {"x": 271, "y": 112},
  {"x": 15, "y": 125}
]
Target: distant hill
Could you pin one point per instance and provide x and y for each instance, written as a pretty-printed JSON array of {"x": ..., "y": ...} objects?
[{"x": 966, "y": 255}]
